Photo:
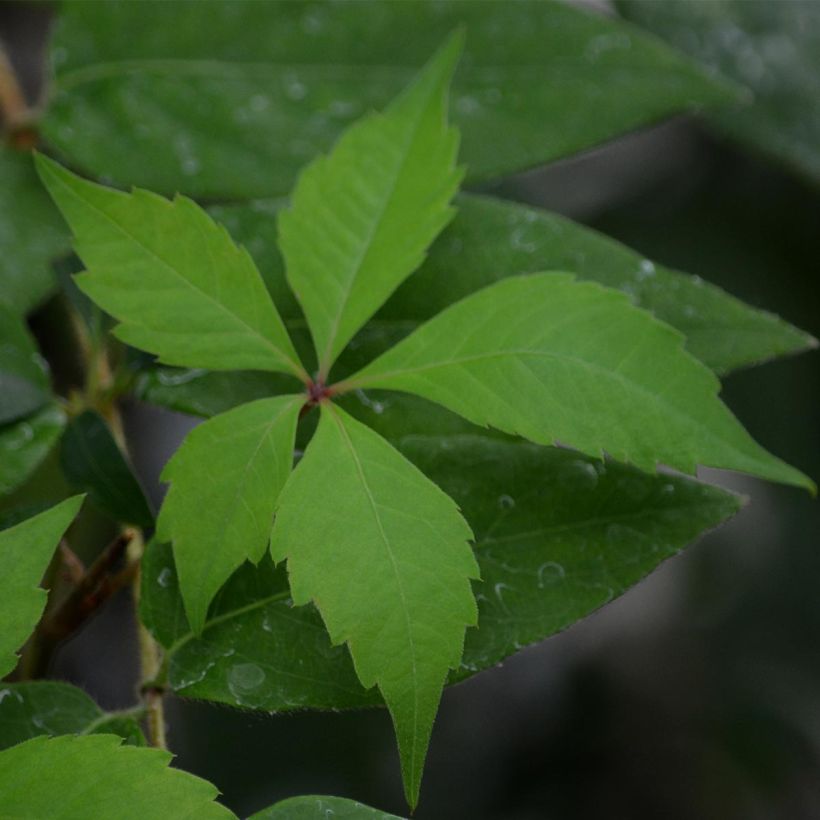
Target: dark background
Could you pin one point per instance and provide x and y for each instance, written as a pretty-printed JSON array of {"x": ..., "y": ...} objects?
[{"x": 697, "y": 694}]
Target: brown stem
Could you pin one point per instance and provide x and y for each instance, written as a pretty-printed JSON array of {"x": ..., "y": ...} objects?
[{"x": 17, "y": 115}]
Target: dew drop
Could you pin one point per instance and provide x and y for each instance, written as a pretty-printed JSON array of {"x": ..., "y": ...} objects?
[
  {"x": 506, "y": 502},
  {"x": 550, "y": 573},
  {"x": 244, "y": 678},
  {"x": 165, "y": 578}
]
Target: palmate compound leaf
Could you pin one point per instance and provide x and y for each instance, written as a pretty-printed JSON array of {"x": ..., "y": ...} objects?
[
  {"x": 174, "y": 279},
  {"x": 553, "y": 359},
  {"x": 361, "y": 218},
  {"x": 25, "y": 552},
  {"x": 321, "y": 807},
  {"x": 225, "y": 482},
  {"x": 384, "y": 554},
  {"x": 96, "y": 777}
]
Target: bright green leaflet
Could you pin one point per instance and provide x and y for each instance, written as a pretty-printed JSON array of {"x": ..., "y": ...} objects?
[
  {"x": 552, "y": 359},
  {"x": 31, "y": 234},
  {"x": 361, "y": 218},
  {"x": 25, "y": 443},
  {"x": 95, "y": 777},
  {"x": 557, "y": 535},
  {"x": 490, "y": 239},
  {"x": 321, "y": 808},
  {"x": 396, "y": 586},
  {"x": 175, "y": 280},
  {"x": 24, "y": 383},
  {"x": 93, "y": 462},
  {"x": 51, "y": 708},
  {"x": 773, "y": 48},
  {"x": 225, "y": 482},
  {"x": 25, "y": 552},
  {"x": 234, "y": 109}
]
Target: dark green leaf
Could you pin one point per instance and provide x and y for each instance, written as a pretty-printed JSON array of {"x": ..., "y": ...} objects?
[
  {"x": 773, "y": 48},
  {"x": 24, "y": 383},
  {"x": 93, "y": 462},
  {"x": 236, "y": 107},
  {"x": 50, "y": 708},
  {"x": 320, "y": 808},
  {"x": 25, "y": 443}
]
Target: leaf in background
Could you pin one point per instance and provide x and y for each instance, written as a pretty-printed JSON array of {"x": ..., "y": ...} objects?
[
  {"x": 362, "y": 217},
  {"x": 236, "y": 108},
  {"x": 773, "y": 48},
  {"x": 225, "y": 483},
  {"x": 24, "y": 382},
  {"x": 557, "y": 535},
  {"x": 31, "y": 235},
  {"x": 77, "y": 778},
  {"x": 384, "y": 555},
  {"x": 50, "y": 708},
  {"x": 175, "y": 280},
  {"x": 25, "y": 552},
  {"x": 317, "y": 807},
  {"x": 24, "y": 444},
  {"x": 552, "y": 359},
  {"x": 93, "y": 462}
]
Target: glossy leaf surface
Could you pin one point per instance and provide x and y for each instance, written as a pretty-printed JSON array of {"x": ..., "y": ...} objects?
[
  {"x": 77, "y": 778},
  {"x": 92, "y": 462},
  {"x": 321, "y": 808},
  {"x": 553, "y": 359},
  {"x": 51, "y": 708},
  {"x": 173, "y": 278},
  {"x": 235, "y": 108},
  {"x": 394, "y": 585},
  {"x": 24, "y": 382},
  {"x": 362, "y": 217},
  {"x": 25, "y": 552},
  {"x": 225, "y": 482},
  {"x": 25, "y": 443}
]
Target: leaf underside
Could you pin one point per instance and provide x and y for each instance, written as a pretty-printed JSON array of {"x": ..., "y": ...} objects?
[{"x": 396, "y": 586}]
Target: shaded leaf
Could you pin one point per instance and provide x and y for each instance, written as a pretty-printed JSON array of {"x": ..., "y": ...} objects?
[
  {"x": 235, "y": 108},
  {"x": 772, "y": 48},
  {"x": 174, "y": 279},
  {"x": 31, "y": 235},
  {"x": 552, "y": 359},
  {"x": 320, "y": 808},
  {"x": 25, "y": 443},
  {"x": 225, "y": 483},
  {"x": 50, "y": 708},
  {"x": 384, "y": 555},
  {"x": 361, "y": 218},
  {"x": 92, "y": 462},
  {"x": 24, "y": 382},
  {"x": 76, "y": 778},
  {"x": 25, "y": 552}
]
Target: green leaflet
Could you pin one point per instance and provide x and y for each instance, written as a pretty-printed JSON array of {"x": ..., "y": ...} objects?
[
  {"x": 31, "y": 234},
  {"x": 772, "y": 48},
  {"x": 51, "y": 708},
  {"x": 552, "y": 359},
  {"x": 320, "y": 808},
  {"x": 225, "y": 482},
  {"x": 557, "y": 535},
  {"x": 25, "y": 443},
  {"x": 174, "y": 279},
  {"x": 362, "y": 217},
  {"x": 93, "y": 462},
  {"x": 396, "y": 586},
  {"x": 25, "y": 552},
  {"x": 95, "y": 777},
  {"x": 24, "y": 383},
  {"x": 234, "y": 109}
]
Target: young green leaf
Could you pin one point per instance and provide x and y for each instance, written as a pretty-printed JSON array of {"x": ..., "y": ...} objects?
[
  {"x": 383, "y": 552},
  {"x": 52, "y": 708},
  {"x": 77, "y": 778},
  {"x": 552, "y": 359},
  {"x": 25, "y": 551},
  {"x": 317, "y": 807},
  {"x": 24, "y": 384},
  {"x": 93, "y": 462},
  {"x": 25, "y": 443},
  {"x": 175, "y": 280},
  {"x": 362, "y": 217},
  {"x": 225, "y": 482}
]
